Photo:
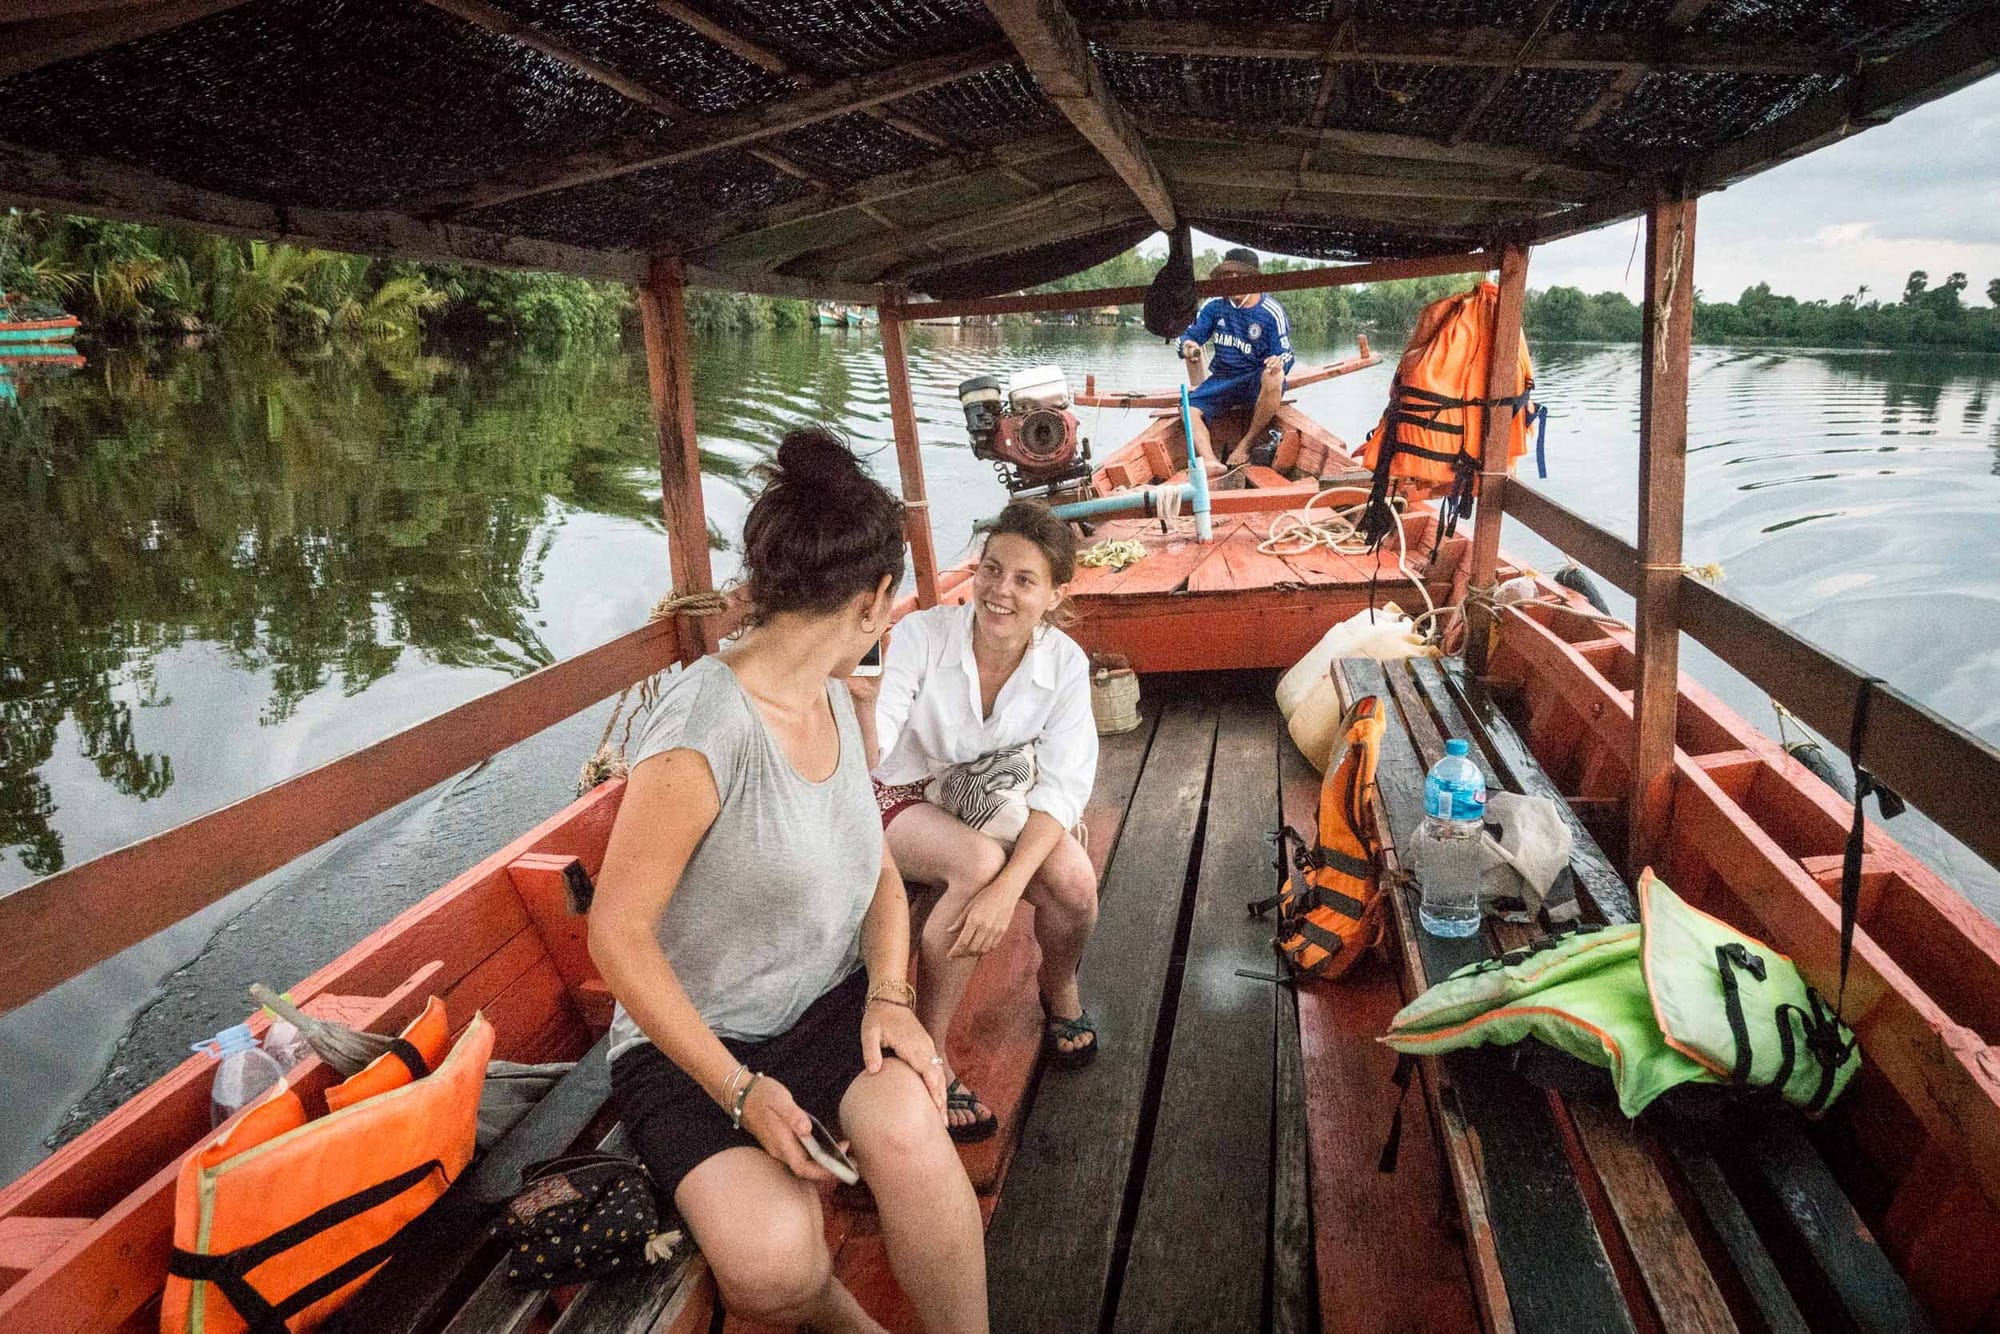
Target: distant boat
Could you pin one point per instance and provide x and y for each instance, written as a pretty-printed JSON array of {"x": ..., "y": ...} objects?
[
  {"x": 24, "y": 321},
  {"x": 840, "y": 315}
]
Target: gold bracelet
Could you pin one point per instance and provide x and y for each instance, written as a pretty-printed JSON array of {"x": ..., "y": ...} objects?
[{"x": 895, "y": 992}]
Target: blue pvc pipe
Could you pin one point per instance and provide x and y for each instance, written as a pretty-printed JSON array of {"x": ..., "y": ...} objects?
[
  {"x": 1197, "y": 475},
  {"x": 1115, "y": 504}
]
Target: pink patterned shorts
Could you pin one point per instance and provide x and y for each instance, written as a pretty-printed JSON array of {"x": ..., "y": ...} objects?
[{"x": 894, "y": 799}]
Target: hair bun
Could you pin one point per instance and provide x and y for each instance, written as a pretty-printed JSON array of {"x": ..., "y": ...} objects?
[{"x": 816, "y": 458}]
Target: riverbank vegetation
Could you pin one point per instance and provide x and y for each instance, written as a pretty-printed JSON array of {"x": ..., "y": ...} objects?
[
  {"x": 126, "y": 278},
  {"x": 1922, "y": 316}
]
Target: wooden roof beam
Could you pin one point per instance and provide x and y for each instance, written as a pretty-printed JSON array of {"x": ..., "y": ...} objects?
[
  {"x": 1379, "y": 144},
  {"x": 1466, "y": 47},
  {"x": 1297, "y": 280},
  {"x": 1055, "y": 53},
  {"x": 932, "y": 236},
  {"x": 1363, "y": 186},
  {"x": 952, "y": 174},
  {"x": 699, "y": 136},
  {"x": 1069, "y": 226},
  {"x": 57, "y": 30}
]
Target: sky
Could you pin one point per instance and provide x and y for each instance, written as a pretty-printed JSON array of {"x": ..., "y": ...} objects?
[{"x": 1922, "y": 192}]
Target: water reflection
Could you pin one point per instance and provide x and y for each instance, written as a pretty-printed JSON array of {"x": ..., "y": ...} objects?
[
  {"x": 211, "y": 556},
  {"x": 314, "y": 521}
]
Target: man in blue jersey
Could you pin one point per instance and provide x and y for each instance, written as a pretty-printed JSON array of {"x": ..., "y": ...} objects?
[{"x": 1253, "y": 351}]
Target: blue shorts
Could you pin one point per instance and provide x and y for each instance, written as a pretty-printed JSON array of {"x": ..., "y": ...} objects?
[{"x": 1219, "y": 393}]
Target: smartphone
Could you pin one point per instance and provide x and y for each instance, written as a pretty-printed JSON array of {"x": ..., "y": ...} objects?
[
  {"x": 871, "y": 661},
  {"x": 825, "y": 1150}
]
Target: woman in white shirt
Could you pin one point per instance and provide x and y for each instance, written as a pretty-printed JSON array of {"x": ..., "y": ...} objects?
[{"x": 960, "y": 684}]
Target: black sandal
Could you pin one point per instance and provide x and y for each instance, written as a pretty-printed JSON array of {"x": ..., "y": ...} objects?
[
  {"x": 959, "y": 1098},
  {"x": 1056, "y": 1031}
]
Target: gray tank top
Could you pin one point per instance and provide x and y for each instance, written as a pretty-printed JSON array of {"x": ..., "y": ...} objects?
[{"x": 767, "y": 916}]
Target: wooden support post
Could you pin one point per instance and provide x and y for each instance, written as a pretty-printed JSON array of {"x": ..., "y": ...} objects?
[
  {"x": 1500, "y": 373},
  {"x": 1663, "y": 387},
  {"x": 670, "y": 375},
  {"x": 903, "y": 422}
]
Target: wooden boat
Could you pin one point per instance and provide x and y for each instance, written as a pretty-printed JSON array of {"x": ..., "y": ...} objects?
[
  {"x": 33, "y": 333},
  {"x": 1216, "y": 1168}
]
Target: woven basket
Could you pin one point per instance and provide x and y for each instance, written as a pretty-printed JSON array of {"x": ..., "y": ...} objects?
[{"x": 1114, "y": 695}]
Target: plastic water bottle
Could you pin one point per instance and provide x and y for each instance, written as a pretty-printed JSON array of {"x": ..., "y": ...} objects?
[
  {"x": 1447, "y": 854},
  {"x": 285, "y": 1044},
  {"x": 247, "y": 1070}
]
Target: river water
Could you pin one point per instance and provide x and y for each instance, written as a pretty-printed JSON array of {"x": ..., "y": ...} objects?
[{"x": 219, "y": 568}]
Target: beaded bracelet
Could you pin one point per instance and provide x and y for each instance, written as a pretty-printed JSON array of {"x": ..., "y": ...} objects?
[{"x": 743, "y": 1096}]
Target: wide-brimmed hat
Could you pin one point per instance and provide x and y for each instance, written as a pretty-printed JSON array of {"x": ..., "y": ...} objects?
[{"x": 1236, "y": 262}]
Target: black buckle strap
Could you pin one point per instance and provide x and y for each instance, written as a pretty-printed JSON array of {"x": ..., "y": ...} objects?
[
  {"x": 1729, "y": 958},
  {"x": 1850, "y": 865}
]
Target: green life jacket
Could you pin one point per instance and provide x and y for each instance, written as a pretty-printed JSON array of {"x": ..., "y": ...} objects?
[{"x": 1676, "y": 998}]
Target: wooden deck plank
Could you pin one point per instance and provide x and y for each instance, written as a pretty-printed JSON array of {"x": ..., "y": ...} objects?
[
  {"x": 997, "y": 1033},
  {"x": 1051, "y": 1245},
  {"x": 1410, "y": 1276},
  {"x": 1238, "y": 564},
  {"x": 1171, "y": 557},
  {"x": 1293, "y": 1290},
  {"x": 1210, "y": 1173},
  {"x": 1558, "y": 1275}
]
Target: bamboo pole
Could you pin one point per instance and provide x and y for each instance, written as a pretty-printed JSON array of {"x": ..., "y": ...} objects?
[
  {"x": 1663, "y": 388},
  {"x": 670, "y": 376},
  {"x": 903, "y": 422},
  {"x": 1501, "y": 371}
]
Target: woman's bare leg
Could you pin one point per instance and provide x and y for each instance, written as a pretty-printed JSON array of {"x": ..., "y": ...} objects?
[
  {"x": 1064, "y": 893},
  {"x": 937, "y": 848},
  {"x": 930, "y": 1217},
  {"x": 759, "y": 1228}
]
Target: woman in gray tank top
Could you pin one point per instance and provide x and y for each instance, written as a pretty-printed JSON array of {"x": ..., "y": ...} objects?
[{"x": 754, "y": 930}]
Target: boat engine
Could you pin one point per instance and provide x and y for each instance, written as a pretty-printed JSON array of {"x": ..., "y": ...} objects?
[{"x": 1029, "y": 434}]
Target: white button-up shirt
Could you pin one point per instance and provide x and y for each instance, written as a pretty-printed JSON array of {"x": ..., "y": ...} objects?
[{"x": 928, "y": 716}]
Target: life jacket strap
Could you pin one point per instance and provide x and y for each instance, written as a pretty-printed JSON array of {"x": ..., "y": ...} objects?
[
  {"x": 229, "y": 1270},
  {"x": 1333, "y": 859},
  {"x": 1728, "y": 959},
  {"x": 413, "y": 1060}
]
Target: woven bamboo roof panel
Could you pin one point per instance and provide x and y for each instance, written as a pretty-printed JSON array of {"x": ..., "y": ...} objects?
[
  {"x": 944, "y": 145},
  {"x": 993, "y": 107},
  {"x": 633, "y": 37}
]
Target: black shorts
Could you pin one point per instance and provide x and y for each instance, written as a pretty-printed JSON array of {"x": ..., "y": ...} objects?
[{"x": 675, "y": 1126}]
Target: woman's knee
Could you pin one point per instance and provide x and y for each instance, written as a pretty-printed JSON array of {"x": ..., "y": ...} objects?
[
  {"x": 1068, "y": 882},
  {"x": 891, "y": 1121},
  {"x": 777, "y": 1268},
  {"x": 983, "y": 859}
]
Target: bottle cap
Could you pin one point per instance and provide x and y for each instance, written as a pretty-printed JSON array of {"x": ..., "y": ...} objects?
[
  {"x": 1458, "y": 746},
  {"x": 228, "y": 1041}
]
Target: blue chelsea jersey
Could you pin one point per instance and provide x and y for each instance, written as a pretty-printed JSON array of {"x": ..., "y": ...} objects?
[{"x": 1243, "y": 338}]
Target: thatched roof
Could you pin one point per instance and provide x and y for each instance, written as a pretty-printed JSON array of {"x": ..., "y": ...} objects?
[{"x": 949, "y": 146}]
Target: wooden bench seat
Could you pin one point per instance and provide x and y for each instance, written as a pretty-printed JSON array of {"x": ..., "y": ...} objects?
[{"x": 1576, "y": 1217}]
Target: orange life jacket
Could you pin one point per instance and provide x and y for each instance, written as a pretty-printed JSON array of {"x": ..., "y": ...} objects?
[
  {"x": 1330, "y": 910},
  {"x": 278, "y": 1218},
  {"x": 1433, "y": 432}
]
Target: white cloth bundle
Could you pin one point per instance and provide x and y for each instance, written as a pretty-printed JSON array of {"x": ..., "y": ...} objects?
[{"x": 989, "y": 793}]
